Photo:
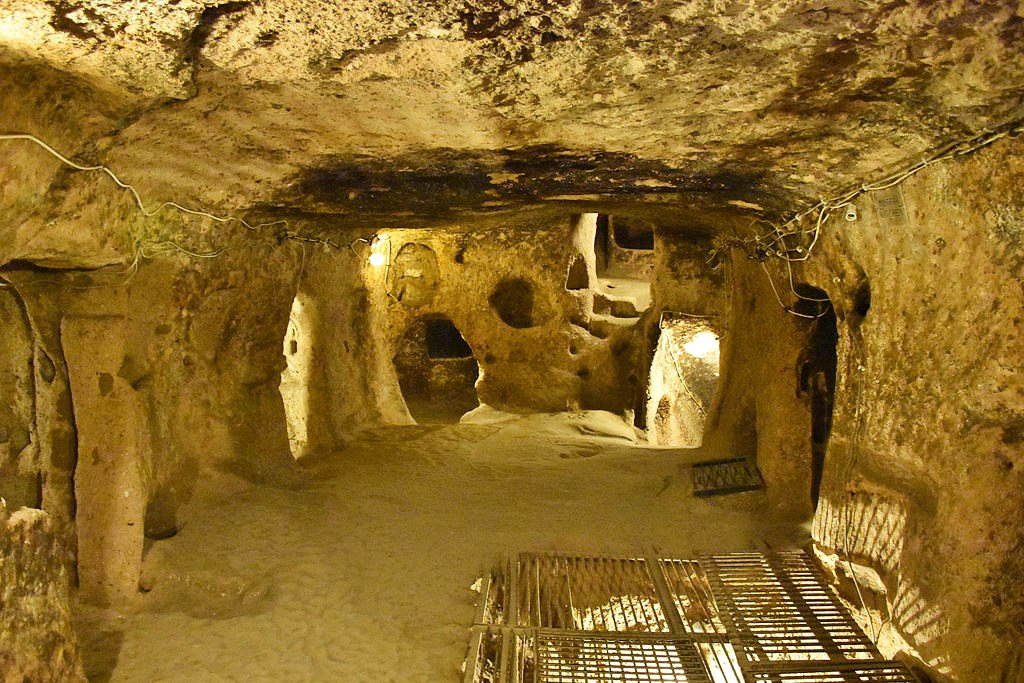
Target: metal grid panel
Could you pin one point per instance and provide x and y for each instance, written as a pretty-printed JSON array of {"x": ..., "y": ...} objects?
[
  {"x": 720, "y": 477},
  {"x": 519, "y": 657},
  {"x": 744, "y": 618},
  {"x": 849, "y": 672},
  {"x": 781, "y": 610},
  {"x": 688, "y": 589},
  {"x": 691, "y": 595},
  {"x": 585, "y": 593},
  {"x": 599, "y": 658}
]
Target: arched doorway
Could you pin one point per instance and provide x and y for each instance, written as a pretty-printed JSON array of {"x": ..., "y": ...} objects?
[
  {"x": 682, "y": 381},
  {"x": 436, "y": 370}
]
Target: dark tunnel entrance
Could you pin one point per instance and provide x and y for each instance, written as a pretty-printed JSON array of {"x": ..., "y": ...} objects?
[
  {"x": 437, "y": 372},
  {"x": 818, "y": 373}
]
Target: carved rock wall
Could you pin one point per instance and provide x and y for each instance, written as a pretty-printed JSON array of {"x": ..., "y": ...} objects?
[{"x": 923, "y": 474}]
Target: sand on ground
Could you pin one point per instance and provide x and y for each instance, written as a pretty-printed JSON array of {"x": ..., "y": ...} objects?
[{"x": 364, "y": 571}]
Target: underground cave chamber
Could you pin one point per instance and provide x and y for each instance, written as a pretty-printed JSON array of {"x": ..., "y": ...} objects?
[
  {"x": 601, "y": 309},
  {"x": 696, "y": 347}
]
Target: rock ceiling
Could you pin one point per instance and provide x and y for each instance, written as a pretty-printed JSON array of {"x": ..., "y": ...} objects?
[{"x": 404, "y": 109}]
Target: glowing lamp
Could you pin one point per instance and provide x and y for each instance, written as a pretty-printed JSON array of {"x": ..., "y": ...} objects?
[{"x": 702, "y": 345}]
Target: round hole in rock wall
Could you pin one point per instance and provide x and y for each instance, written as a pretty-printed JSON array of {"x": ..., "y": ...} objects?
[
  {"x": 414, "y": 275},
  {"x": 513, "y": 301}
]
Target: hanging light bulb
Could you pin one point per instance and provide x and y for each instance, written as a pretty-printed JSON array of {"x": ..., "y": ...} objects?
[
  {"x": 702, "y": 345},
  {"x": 380, "y": 248}
]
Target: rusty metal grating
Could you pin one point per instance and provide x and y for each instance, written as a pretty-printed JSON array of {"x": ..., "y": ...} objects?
[
  {"x": 589, "y": 658},
  {"x": 585, "y": 593},
  {"x": 719, "y": 477},
  {"x": 742, "y": 618},
  {"x": 858, "y": 672},
  {"x": 782, "y": 610},
  {"x": 690, "y": 592}
]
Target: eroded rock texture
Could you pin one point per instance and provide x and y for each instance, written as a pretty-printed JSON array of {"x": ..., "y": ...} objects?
[
  {"x": 38, "y": 641},
  {"x": 453, "y": 107},
  {"x": 923, "y": 475},
  {"x": 496, "y": 145}
]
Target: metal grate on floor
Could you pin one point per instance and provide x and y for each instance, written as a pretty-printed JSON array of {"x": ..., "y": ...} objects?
[
  {"x": 581, "y": 593},
  {"x": 743, "y": 618},
  {"x": 781, "y": 610},
  {"x": 852, "y": 672},
  {"x": 583, "y": 658},
  {"x": 720, "y": 477}
]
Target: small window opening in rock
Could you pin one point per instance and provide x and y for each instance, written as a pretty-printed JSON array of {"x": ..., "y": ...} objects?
[
  {"x": 444, "y": 340},
  {"x": 437, "y": 389},
  {"x": 577, "y": 279},
  {"x": 513, "y": 301},
  {"x": 817, "y": 366},
  {"x": 622, "y": 290},
  {"x": 682, "y": 381},
  {"x": 295, "y": 377},
  {"x": 861, "y": 300},
  {"x": 633, "y": 234}
]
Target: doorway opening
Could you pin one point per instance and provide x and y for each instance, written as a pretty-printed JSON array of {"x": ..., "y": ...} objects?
[
  {"x": 294, "y": 387},
  {"x": 437, "y": 372},
  {"x": 818, "y": 373},
  {"x": 683, "y": 380},
  {"x": 624, "y": 260}
]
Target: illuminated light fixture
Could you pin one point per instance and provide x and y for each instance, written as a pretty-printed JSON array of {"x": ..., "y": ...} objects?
[
  {"x": 702, "y": 345},
  {"x": 380, "y": 248}
]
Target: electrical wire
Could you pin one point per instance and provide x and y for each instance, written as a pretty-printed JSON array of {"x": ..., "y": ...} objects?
[
  {"x": 152, "y": 249},
  {"x": 778, "y": 298},
  {"x": 858, "y": 358},
  {"x": 774, "y": 243},
  {"x": 157, "y": 248},
  {"x": 148, "y": 213}
]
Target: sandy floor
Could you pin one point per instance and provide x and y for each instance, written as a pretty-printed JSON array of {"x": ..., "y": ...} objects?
[{"x": 364, "y": 572}]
